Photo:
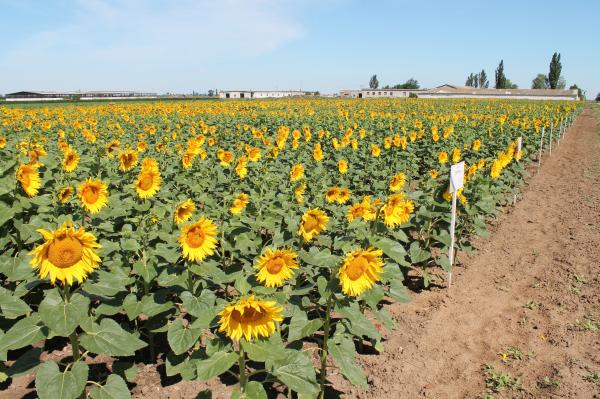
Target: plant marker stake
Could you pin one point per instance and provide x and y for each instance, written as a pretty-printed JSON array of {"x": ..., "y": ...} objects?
[
  {"x": 541, "y": 149},
  {"x": 519, "y": 146},
  {"x": 457, "y": 177},
  {"x": 551, "y": 129}
]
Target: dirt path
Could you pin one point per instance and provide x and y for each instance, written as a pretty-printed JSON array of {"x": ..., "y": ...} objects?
[{"x": 530, "y": 287}]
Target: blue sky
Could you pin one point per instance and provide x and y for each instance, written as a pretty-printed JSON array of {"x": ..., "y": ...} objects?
[{"x": 327, "y": 45}]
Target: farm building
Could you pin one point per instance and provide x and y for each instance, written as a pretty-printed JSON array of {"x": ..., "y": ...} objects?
[
  {"x": 263, "y": 93},
  {"x": 83, "y": 95},
  {"x": 452, "y": 91},
  {"x": 380, "y": 93}
]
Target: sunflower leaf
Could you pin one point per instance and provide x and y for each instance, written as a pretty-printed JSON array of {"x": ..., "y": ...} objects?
[
  {"x": 108, "y": 338},
  {"x": 63, "y": 317},
  {"x": 297, "y": 372},
  {"x": 24, "y": 332},
  {"x": 301, "y": 327},
  {"x": 51, "y": 383},
  {"x": 342, "y": 351},
  {"x": 254, "y": 390},
  {"x": 115, "y": 388},
  {"x": 181, "y": 338},
  {"x": 12, "y": 306},
  {"x": 215, "y": 365}
]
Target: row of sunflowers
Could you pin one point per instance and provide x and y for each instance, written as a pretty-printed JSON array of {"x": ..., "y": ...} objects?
[{"x": 258, "y": 239}]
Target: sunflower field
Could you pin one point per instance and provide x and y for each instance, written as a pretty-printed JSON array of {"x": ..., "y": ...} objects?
[{"x": 258, "y": 239}]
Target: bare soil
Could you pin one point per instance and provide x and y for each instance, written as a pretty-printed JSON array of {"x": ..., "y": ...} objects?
[{"x": 526, "y": 304}]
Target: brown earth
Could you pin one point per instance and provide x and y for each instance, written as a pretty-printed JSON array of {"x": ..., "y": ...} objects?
[{"x": 526, "y": 304}]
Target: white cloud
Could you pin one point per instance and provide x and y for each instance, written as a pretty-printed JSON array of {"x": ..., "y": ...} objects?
[{"x": 149, "y": 44}]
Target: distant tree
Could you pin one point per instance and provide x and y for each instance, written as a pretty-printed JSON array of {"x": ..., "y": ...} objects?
[
  {"x": 500, "y": 77},
  {"x": 211, "y": 93},
  {"x": 483, "y": 80},
  {"x": 510, "y": 85},
  {"x": 598, "y": 97},
  {"x": 410, "y": 84},
  {"x": 555, "y": 69},
  {"x": 562, "y": 83},
  {"x": 540, "y": 82},
  {"x": 472, "y": 80},
  {"x": 373, "y": 83},
  {"x": 386, "y": 87}
]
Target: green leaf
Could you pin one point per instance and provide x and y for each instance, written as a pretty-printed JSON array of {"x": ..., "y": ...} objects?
[
  {"x": 146, "y": 269},
  {"x": 393, "y": 249},
  {"x": 320, "y": 258},
  {"x": 108, "y": 338},
  {"x": 444, "y": 237},
  {"x": 51, "y": 383},
  {"x": 129, "y": 244},
  {"x": 254, "y": 390},
  {"x": 127, "y": 370},
  {"x": 106, "y": 283},
  {"x": 417, "y": 254},
  {"x": 6, "y": 213},
  {"x": 202, "y": 307},
  {"x": 12, "y": 307},
  {"x": 444, "y": 262},
  {"x": 216, "y": 365},
  {"x": 25, "y": 332},
  {"x": 115, "y": 388},
  {"x": 181, "y": 338},
  {"x": 61, "y": 317},
  {"x": 398, "y": 291},
  {"x": 342, "y": 351},
  {"x": 301, "y": 327},
  {"x": 297, "y": 372},
  {"x": 265, "y": 350}
]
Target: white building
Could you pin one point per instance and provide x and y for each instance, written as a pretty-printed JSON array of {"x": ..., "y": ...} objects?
[
  {"x": 380, "y": 93},
  {"x": 452, "y": 91},
  {"x": 262, "y": 93},
  {"x": 79, "y": 95}
]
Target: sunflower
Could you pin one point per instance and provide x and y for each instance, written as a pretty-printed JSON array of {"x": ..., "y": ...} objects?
[
  {"x": 299, "y": 193},
  {"x": 70, "y": 160},
  {"x": 331, "y": 195},
  {"x": 443, "y": 157},
  {"x": 364, "y": 209},
  {"x": 375, "y": 150},
  {"x": 314, "y": 221},
  {"x": 183, "y": 212},
  {"x": 65, "y": 194},
  {"x": 66, "y": 255},
  {"x": 397, "y": 182},
  {"x": 2, "y": 142},
  {"x": 239, "y": 203},
  {"x": 29, "y": 177},
  {"x": 148, "y": 182},
  {"x": 127, "y": 160},
  {"x": 317, "y": 152},
  {"x": 253, "y": 154},
  {"x": 456, "y": 155},
  {"x": 111, "y": 147},
  {"x": 476, "y": 145},
  {"x": 433, "y": 173},
  {"x": 297, "y": 172},
  {"x": 198, "y": 240},
  {"x": 361, "y": 269},
  {"x": 397, "y": 210},
  {"x": 93, "y": 195},
  {"x": 342, "y": 166},
  {"x": 250, "y": 318},
  {"x": 276, "y": 266},
  {"x": 343, "y": 195}
]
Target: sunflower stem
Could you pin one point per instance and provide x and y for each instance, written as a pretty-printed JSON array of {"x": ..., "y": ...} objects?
[
  {"x": 74, "y": 345},
  {"x": 242, "y": 365},
  {"x": 324, "y": 352}
]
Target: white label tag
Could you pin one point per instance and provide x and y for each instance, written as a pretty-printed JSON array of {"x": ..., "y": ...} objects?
[
  {"x": 457, "y": 176},
  {"x": 519, "y": 143}
]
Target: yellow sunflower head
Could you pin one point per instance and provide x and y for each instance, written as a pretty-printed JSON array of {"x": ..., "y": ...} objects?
[
  {"x": 476, "y": 145},
  {"x": 198, "y": 240},
  {"x": 397, "y": 210},
  {"x": 93, "y": 195},
  {"x": 70, "y": 160},
  {"x": 397, "y": 182},
  {"x": 433, "y": 173},
  {"x": 276, "y": 266},
  {"x": 250, "y": 318},
  {"x": 314, "y": 221},
  {"x": 65, "y": 194},
  {"x": 343, "y": 195},
  {"x": 184, "y": 211},
  {"x": 111, "y": 147},
  {"x": 239, "y": 203},
  {"x": 29, "y": 177},
  {"x": 361, "y": 269},
  {"x": 332, "y": 194},
  {"x": 443, "y": 157},
  {"x": 66, "y": 255},
  {"x": 147, "y": 183},
  {"x": 297, "y": 172},
  {"x": 127, "y": 160},
  {"x": 342, "y": 166}
]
